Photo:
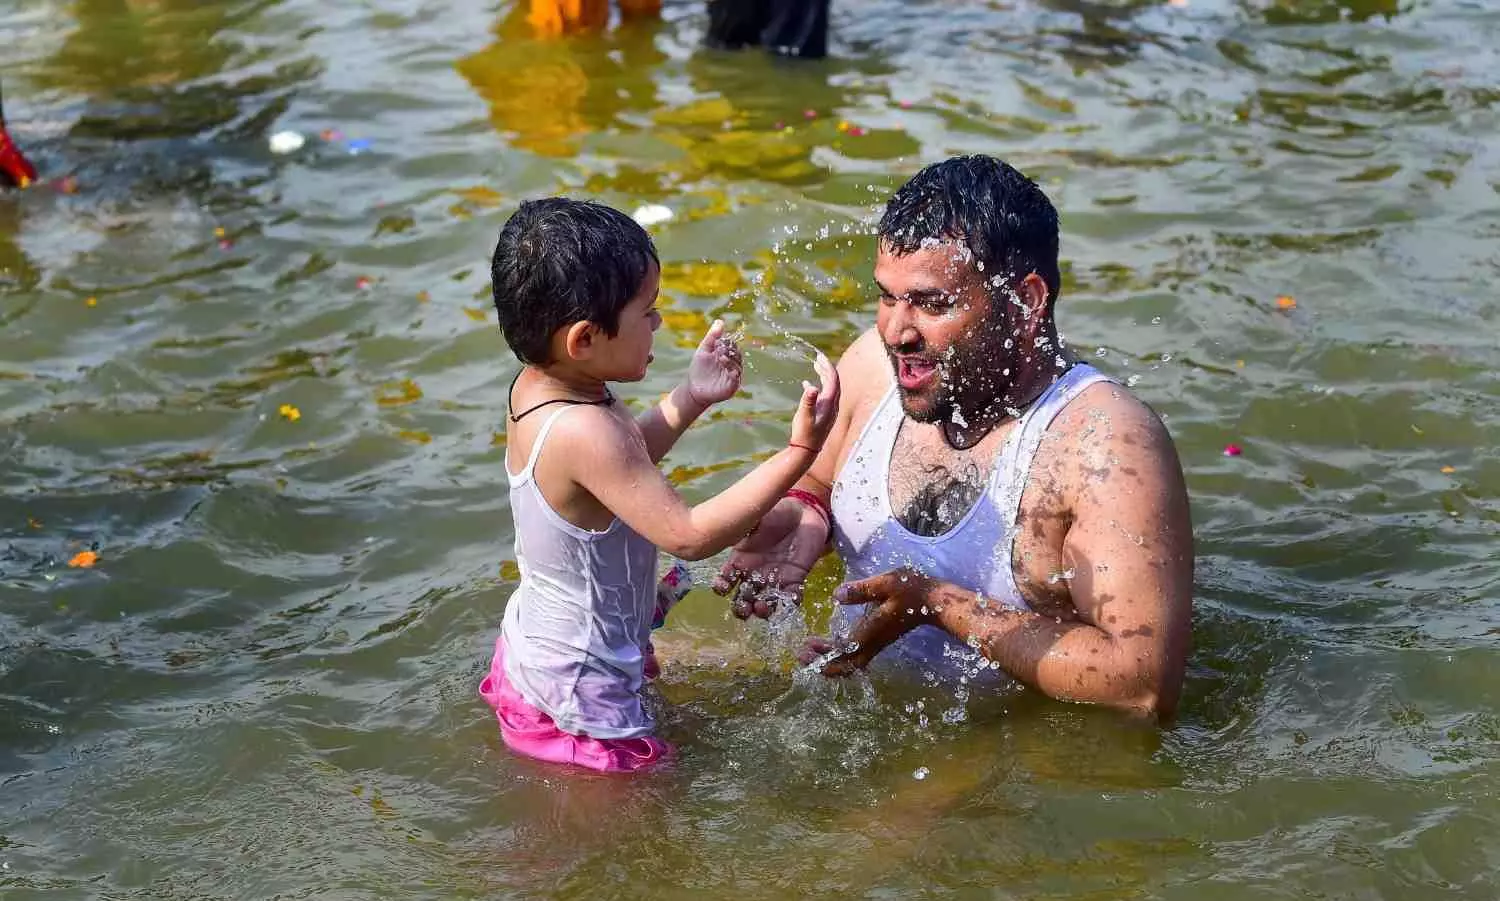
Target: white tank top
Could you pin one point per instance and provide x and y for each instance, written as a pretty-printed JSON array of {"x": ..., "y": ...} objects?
[
  {"x": 575, "y": 628},
  {"x": 975, "y": 554}
]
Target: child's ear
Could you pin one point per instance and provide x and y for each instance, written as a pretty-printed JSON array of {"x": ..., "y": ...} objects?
[{"x": 579, "y": 340}]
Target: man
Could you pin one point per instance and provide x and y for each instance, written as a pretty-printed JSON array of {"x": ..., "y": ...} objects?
[{"x": 1000, "y": 506}]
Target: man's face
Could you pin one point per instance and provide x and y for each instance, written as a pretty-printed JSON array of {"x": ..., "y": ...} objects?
[{"x": 947, "y": 344}]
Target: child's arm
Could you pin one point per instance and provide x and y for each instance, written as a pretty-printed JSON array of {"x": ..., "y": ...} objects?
[
  {"x": 713, "y": 376},
  {"x": 614, "y": 466}
]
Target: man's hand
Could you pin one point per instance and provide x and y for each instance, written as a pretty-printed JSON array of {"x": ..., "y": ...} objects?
[
  {"x": 901, "y": 601},
  {"x": 772, "y": 562}
]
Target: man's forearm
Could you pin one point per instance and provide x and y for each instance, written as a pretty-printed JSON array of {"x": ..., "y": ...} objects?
[
  {"x": 1068, "y": 660},
  {"x": 664, "y": 423}
]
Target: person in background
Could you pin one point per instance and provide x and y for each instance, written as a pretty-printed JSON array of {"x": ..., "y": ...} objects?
[
  {"x": 16, "y": 170},
  {"x": 552, "y": 18},
  {"x": 785, "y": 27},
  {"x": 796, "y": 28}
]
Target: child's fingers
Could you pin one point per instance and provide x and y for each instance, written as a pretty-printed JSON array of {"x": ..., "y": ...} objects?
[
  {"x": 829, "y": 374},
  {"x": 711, "y": 337}
]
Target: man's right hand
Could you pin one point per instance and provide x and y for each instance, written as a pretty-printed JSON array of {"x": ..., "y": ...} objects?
[{"x": 773, "y": 561}]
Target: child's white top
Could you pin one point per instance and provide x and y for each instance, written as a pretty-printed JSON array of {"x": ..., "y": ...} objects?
[{"x": 575, "y": 629}]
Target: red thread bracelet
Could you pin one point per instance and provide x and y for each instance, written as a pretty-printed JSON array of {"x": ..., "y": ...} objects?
[
  {"x": 813, "y": 501},
  {"x": 811, "y": 450}
]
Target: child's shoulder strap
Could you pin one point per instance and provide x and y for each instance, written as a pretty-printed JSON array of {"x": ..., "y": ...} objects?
[{"x": 541, "y": 438}]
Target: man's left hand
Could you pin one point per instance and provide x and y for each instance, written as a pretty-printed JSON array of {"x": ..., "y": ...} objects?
[{"x": 900, "y": 603}]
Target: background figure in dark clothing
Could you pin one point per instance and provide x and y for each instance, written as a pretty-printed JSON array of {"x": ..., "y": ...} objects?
[{"x": 785, "y": 27}]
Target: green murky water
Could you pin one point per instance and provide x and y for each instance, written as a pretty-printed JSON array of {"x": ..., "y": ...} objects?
[{"x": 265, "y": 685}]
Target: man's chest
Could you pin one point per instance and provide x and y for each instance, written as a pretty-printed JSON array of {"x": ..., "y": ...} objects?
[{"x": 932, "y": 488}]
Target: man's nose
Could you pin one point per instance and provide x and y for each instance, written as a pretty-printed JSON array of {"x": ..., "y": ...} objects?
[{"x": 900, "y": 326}]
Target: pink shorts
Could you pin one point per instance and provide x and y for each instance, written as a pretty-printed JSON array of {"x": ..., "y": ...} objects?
[{"x": 527, "y": 730}]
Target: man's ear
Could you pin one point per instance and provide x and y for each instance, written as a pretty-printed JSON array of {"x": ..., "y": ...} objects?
[
  {"x": 580, "y": 339},
  {"x": 1032, "y": 290}
]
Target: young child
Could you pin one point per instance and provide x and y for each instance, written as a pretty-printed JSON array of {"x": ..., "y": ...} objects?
[{"x": 575, "y": 286}]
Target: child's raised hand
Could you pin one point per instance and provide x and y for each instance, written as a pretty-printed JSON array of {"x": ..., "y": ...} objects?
[
  {"x": 819, "y": 407},
  {"x": 714, "y": 375}
]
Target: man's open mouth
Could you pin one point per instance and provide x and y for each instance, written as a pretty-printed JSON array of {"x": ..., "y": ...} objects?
[{"x": 915, "y": 373}]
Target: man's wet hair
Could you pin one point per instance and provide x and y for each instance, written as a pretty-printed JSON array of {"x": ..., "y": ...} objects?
[
  {"x": 561, "y": 261},
  {"x": 998, "y": 213}
]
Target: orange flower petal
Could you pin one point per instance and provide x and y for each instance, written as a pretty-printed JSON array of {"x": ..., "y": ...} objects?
[{"x": 84, "y": 560}]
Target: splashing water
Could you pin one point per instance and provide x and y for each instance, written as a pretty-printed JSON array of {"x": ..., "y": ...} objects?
[
  {"x": 817, "y": 665},
  {"x": 782, "y": 344}
]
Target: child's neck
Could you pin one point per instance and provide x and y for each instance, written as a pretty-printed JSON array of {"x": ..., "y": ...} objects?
[{"x": 561, "y": 381}]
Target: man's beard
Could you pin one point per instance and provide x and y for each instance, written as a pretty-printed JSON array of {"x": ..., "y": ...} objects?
[
  {"x": 958, "y": 399},
  {"x": 936, "y": 404}
]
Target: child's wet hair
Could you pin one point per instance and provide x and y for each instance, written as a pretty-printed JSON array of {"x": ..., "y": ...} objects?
[{"x": 561, "y": 261}]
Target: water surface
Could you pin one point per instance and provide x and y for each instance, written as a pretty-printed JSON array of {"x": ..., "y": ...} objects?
[{"x": 265, "y": 685}]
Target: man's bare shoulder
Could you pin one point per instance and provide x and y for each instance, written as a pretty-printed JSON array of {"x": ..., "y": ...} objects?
[
  {"x": 865, "y": 369},
  {"x": 1108, "y": 441}
]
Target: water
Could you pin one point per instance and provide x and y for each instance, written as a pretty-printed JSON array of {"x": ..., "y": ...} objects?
[{"x": 265, "y": 684}]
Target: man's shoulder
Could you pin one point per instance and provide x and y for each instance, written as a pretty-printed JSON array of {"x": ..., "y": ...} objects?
[
  {"x": 1107, "y": 427},
  {"x": 864, "y": 367},
  {"x": 1107, "y": 398}
]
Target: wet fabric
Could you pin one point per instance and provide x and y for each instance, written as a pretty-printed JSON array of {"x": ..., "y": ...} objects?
[
  {"x": 975, "y": 554},
  {"x": 529, "y": 731},
  {"x": 579, "y": 623}
]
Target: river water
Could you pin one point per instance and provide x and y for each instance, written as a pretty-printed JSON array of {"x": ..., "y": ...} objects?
[{"x": 266, "y": 391}]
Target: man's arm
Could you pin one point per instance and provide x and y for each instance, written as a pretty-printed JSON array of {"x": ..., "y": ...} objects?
[{"x": 1130, "y": 550}]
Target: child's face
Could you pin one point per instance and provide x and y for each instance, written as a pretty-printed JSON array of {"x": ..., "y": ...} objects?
[{"x": 624, "y": 357}]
